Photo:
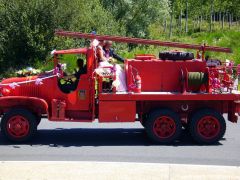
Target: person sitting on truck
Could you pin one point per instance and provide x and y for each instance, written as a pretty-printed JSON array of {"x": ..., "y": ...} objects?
[
  {"x": 100, "y": 52},
  {"x": 109, "y": 51},
  {"x": 69, "y": 83},
  {"x": 81, "y": 69},
  {"x": 104, "y": 61}
]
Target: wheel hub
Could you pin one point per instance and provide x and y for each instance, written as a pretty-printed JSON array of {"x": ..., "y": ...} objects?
[
  {"x": 164, "y": 127},
  {"x": 18, "y": 126},
  {"x": 208, "y": 127}
]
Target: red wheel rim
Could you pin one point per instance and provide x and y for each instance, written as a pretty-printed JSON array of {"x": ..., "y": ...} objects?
[
  {"x": 18, "y": 126},
  {"x": 164, "y": 127},
  {"x": 208, "y": 127}
]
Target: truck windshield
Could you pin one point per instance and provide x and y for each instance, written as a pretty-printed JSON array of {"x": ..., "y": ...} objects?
[{"x": 70, "y": 62}]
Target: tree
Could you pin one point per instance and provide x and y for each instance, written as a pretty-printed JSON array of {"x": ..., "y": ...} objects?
[
  {"x": 26, "y": 30},
  {"x": 27, "y": 27},
  {"x": 186, "y": 18},
  {"x": 137, "y": 15},
  {"x": 211, "y": 15},
  {"x": 171, "y": 19}
]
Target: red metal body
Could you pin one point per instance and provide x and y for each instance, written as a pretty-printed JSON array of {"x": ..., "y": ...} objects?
[{"x": 162, "y": 84}]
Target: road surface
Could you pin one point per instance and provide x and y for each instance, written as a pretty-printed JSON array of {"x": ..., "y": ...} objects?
[{"x": 126, "y": 142}]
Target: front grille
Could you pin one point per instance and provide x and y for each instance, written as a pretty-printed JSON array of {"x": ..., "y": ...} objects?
[{"x": 29, "y": 90}]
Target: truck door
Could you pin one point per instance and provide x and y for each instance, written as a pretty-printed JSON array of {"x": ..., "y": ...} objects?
[
  {"x": 82, "y": 93},
  {"x": 81, "y": 98}
]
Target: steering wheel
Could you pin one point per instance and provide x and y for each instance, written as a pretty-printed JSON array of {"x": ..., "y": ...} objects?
[{"x": 68, "y": 80}]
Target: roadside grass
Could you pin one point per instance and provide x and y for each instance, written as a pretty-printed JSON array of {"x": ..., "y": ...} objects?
[{"x": 229, "y": 39}]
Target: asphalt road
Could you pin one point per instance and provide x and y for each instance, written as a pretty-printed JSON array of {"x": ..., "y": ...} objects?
[{"x": 126, "y": 142}]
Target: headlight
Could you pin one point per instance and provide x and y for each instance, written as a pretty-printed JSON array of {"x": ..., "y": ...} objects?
[{"x": 5, "y": 91}]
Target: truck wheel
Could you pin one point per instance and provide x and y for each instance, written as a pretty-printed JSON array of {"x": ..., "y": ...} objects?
[
  {"x": 18, "y": 125},
  {"x": 207, "y": 126},
  {"x": 163, "y": 126}
]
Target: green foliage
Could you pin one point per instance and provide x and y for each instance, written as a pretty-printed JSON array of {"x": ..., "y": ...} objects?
[
  {"x": 27, "y": 26},
  {"x": 26, "y": 30},
  {"x": 137, "y": 15},
  {"x": 229, "y": 39}
]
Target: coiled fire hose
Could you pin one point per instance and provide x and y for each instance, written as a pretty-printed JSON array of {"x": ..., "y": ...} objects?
[{"x": 196, "y": 79}]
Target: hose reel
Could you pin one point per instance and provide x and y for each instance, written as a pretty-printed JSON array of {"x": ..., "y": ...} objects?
[{"x": 196, "y": 79}]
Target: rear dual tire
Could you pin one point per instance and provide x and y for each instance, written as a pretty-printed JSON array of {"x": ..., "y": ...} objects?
[
  {"x": 163, "y": 126},
  {"x": 207, "y": 126}
]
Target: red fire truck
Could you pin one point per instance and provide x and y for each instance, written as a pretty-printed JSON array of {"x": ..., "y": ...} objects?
[{"x": 166, "y": 94}]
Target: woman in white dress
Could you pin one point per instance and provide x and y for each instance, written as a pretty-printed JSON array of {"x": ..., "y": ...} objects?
[{"x": 104, "y": 61}]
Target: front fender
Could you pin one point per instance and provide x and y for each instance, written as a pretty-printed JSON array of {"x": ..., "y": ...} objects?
[{"x": 35, "y": 105}]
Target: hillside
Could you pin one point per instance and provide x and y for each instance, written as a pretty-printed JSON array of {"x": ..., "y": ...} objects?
[{"x": 230, "y": 39}]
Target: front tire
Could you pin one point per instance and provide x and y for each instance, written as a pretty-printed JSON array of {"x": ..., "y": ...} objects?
[
  {"x": 163, "y": 126},
  {"x": 18, "y": 125},
  {"x": 207, "y": 126}
]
